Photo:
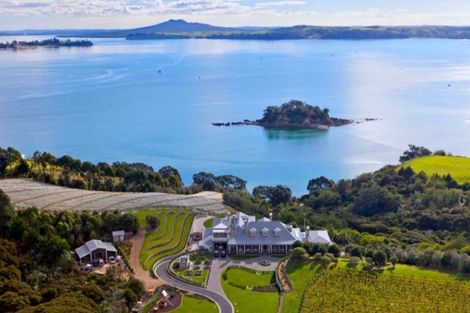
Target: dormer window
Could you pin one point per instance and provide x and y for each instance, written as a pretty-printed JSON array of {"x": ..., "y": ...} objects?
[
  {"x": 252, "y": 231},
  {"x": 265, "y": 232},
  {"x": 277, "y": 231}
]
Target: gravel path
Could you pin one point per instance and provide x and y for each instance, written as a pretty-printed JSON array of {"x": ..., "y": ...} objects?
[{"x": 141, "y": 274}]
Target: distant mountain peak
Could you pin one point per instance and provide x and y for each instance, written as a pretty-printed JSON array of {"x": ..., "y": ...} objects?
[{"x": 180, "y": 26}]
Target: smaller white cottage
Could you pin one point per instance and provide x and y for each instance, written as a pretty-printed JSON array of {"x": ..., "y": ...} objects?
[
  {"x": 184, "y": 262},
  {"x": 119, "y": 236}
]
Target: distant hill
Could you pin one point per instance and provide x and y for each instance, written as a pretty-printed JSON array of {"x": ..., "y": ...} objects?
[
  {"x": 171, "y": 28},
  {"x": 179, "y": 29},
  {"x": 181, "y": 26}
]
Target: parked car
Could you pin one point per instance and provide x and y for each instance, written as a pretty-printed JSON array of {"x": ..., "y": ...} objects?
[
  {"x": 112, "y": 260},
  {"x": 100, "y": 262},
  {"x": 216, "y": 253},
  {"x": 223, "y": 253},
  {"x": 87, "y": 268}
]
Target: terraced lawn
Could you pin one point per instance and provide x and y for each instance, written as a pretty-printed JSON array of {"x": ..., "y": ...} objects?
[
  {"x": 300, "y": 274},
  {"x": 247, "y": 300},
  {"x": 163, "y": 234},
  {"x": 169, "y": 238},
  {"x": 191, "y": 304},
  {"x": 178, "y": 242},
  {"x": 173, "y": 241}
]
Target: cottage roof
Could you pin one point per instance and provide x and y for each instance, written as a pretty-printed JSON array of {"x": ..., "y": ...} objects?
[
  {"x": 319, "y": 236},
  {"x": 119, "y": 233},
  {"x": 93, "y": 245},
  {"x": 82, "y": 251}
]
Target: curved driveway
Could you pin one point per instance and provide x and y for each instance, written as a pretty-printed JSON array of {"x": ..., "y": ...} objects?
[{"x": 160, "y": 270}]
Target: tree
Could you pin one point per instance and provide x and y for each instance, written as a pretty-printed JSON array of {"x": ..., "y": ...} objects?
[
  {"x": 380, "y": 258},
  {"x": 6, "y": 213},
  {"x": 334, "y": 249},
  {"x": 128, "y": 222},
  {"x": 275, "y": 195},
  {"x": 152, "y": 221},
  {"x": 394, "y": 260},
  {"x": 375, "y": 200},
  {"x": 414, "y": 152},
  {"x": 320, "y": 183},
  {"x": 298, "y": 253},
  {"x": 206, "y": 180},
  {"x": 231, "y": 182}
]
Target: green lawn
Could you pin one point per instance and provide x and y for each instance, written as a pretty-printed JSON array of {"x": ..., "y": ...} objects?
[
  {"x": 209, "y": 223},
  {"x": 457, "y": 167},
  {"x": 192, "y": 304},
  {"x": 300, "y": 275},
  {"x": 245, "y": 300},
  {"x": 242, "y": 277}
]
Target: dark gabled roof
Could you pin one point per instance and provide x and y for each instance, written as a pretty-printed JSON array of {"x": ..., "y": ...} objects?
[{"x": 93, "y": 245}]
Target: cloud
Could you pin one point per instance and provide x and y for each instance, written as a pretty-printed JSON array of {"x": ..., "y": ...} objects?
[{"x": 159, "y": 7}]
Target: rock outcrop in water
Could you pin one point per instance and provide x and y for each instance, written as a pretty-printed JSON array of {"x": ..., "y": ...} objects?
[{"x": 293, "y": 115}]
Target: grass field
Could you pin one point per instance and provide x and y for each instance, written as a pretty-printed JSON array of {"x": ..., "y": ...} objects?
[
  {"x": 192, "y": 304},
  {"x": 246, "y": 300},
  {"x": 300, "y": 275},
  {"x": 457, "y": 167},
  {"x": 342, "y": 290}
]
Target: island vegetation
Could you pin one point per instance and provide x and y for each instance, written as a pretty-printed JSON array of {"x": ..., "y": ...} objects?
[
  {"x": 47, "y": 43},
  {"x": 295, "y": 114}
]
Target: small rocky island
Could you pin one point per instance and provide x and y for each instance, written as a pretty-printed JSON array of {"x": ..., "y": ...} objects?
[
  {"x": 294, "y": 115},
  {"x": 47, "y": 43}
]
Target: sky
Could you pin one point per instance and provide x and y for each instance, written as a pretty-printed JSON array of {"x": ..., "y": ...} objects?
[{"x": 54, "y": 14}]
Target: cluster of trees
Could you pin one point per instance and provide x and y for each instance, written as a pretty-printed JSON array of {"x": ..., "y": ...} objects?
[
  {"x": 70, "y": 172},
  {"x": 209, "y": 182},
  {"x": 38, "y": 273},
  {"x": 118, "y": 176},
  {"x": 295, "y": 113},
  {"x": 54, "y": 42}
]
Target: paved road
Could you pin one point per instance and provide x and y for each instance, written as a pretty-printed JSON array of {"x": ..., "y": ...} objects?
[{"x": 160, "y": 270}]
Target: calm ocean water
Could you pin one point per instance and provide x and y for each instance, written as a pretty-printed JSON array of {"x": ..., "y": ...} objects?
[{"x": 110, "y": 103}]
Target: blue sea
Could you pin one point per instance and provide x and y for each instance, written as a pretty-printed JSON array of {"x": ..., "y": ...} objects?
[{"x": 154, "y": 102}]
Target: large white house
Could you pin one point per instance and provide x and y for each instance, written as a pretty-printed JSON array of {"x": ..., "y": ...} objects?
[{"x": 243, "y": 234}]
